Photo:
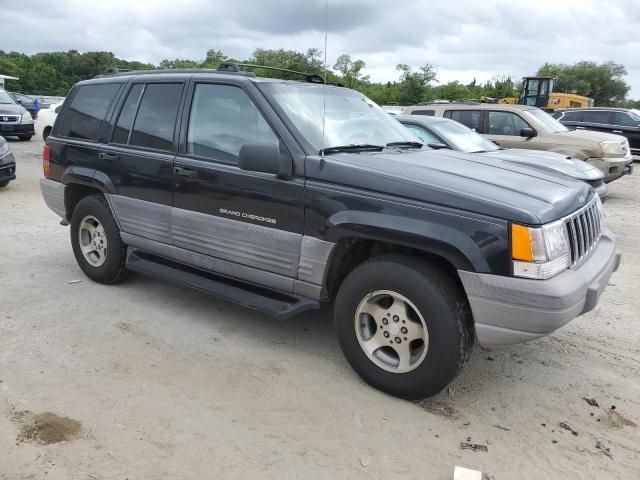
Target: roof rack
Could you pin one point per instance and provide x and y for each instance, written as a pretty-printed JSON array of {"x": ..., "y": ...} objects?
[
  {"x": 465, "y": 102},
  {"x": 111, "y": 72},
  {"x": 308, "y": 77},
  {"x": 230, "y": 68}
]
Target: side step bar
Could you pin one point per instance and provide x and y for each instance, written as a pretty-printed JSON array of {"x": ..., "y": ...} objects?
[{"x": 272, "y": 303}]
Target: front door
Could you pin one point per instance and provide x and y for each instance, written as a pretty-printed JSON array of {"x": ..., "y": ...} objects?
[
  {"x": 250, "y": 222},
  {"x": 503, "y": 128}
]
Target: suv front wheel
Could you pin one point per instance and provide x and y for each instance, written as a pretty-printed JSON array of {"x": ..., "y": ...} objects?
[
  {"x": 96, "y": 241},
  {"x": 403, "y": 325}
]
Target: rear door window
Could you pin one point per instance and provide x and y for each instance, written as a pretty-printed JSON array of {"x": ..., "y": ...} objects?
[
  {"x": 597, "y": 116},
  {"x": 223, "y": 119},
  {"x": 127, "y": 114},
  {"x": 505, "y": 123},
  {"x": 470, "y": 118},
  {"x": 155, "y": 121},
  {"x": 87, "y": 111}
]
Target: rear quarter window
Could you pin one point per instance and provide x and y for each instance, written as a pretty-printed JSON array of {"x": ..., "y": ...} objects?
[
  {"x": 429, "y": 113},
  {"x": 87, "y": 111}
]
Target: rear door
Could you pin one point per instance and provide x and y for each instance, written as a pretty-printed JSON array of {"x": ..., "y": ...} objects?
[
  {"x": 139, "y": 157},
  {"x": 241, "y": 218}
]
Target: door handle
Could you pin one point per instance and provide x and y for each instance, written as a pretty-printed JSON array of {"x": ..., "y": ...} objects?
[
  {"x": 616, "y": 131},
  {"x": 108, "y": 156},
  {"x": 183, "y": 172},
  {"x": 579, "y": 128}
]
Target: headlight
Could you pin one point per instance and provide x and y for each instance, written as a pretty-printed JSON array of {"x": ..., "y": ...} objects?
[
  {"x": 4, "y": 149},
  {"x": 26, "y": 117},
  {"x": 612, "y": 147},
  {"x": 539, "y": 252}
]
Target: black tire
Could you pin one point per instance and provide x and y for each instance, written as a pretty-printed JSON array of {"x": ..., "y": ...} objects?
[
  {"x": 25, "y": 138},
  {"x": 113, "y": 269},
  {"x": 438, "y": 299},
  {"x": 4, "y": 184}
]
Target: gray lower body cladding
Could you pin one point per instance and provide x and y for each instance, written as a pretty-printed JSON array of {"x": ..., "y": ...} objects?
[
  {"x": 53, "y": 195},
  {"x": 509, "y": 310},
  {"x": 269, "y": 257}
]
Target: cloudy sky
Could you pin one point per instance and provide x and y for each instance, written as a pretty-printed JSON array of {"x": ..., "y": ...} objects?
[{"x": 462, "y": 38}]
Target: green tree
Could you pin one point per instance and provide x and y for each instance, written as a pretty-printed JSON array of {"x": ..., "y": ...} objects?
[
  {"x": 350, "y": 70},
  {"x": 414, "y": 86},
  {"x": 602, "y": 82},
  {"x": 454, "y": 91}
]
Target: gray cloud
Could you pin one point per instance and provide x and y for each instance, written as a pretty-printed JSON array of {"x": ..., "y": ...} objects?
[{"x": 463, "y": 38}]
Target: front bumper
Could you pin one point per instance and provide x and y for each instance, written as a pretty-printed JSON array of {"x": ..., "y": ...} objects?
[
  {"x": 9, "y": 129},
  {"x": 613, "y": 168},
  {"x": 603, "y": 191},
  {"x": 7, "y": 168},
  {"x": 508, "y": 310}
]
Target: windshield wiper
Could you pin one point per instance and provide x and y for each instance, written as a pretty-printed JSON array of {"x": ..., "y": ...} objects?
[
  {"x": 406, "y": 144},
  {"x": 355, "y": 147}
]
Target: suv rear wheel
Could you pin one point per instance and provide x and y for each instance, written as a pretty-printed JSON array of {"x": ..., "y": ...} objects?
[
  {"x": 96, "y": 241},
  {"x": 403, "y": 325}
]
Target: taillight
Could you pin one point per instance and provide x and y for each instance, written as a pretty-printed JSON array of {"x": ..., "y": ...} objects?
[{"x": 46, "y": 166}]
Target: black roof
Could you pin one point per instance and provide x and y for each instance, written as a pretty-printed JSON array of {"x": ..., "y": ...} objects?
[{"x": 582, "y": 109}]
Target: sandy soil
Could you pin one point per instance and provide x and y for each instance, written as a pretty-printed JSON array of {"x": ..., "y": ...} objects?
[{"x": 167, "y": 383}]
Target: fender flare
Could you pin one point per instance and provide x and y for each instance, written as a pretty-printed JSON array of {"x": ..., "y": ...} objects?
[{"x": 458, "y": 248}]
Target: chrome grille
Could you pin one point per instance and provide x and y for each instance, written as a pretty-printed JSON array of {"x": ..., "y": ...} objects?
[
  {"x": 9, "y": 118},
  {"x": 583, "y": 231}
]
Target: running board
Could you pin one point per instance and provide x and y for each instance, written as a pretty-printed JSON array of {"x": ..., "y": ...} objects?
[{"x": 256, "y": 298}]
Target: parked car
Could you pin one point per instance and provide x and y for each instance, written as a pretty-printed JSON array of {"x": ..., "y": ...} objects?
[
  {"x": 15, "y": 120},
  {"x": 522, "y": 126},
  {"x": 611, "y": 120},
  {"x": 439, "y": 132},
  {"x": 30, "y": 103},
  {"x": 46, "y": 119},
  {"x": 7, "y": 164},
  {"x": 282, "y": 195}
]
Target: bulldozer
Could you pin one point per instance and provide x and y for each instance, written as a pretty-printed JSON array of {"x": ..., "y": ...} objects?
[{"x": 538, "y": 92}]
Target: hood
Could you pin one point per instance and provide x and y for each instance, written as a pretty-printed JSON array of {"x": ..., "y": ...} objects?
[
  {"x": 463, "y": 181},
  {"x": 586, "y": 137},
  {"x": 11, "y": 109},
  {"x": 550, "y": 162}
]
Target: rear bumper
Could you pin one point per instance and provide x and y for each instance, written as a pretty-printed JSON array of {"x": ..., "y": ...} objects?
[
  {"x": 53, "y": 195},
  {"x": 10, "y": 129},
  {"x": 508, "y": 310}
]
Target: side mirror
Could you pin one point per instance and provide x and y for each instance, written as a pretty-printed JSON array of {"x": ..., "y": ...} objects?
[
  {"x": 266, "y": 158},
  {"x": 437, "y": 146},
  {"x": 528, "y": 133},
  {"x": 18, "y": 101}
]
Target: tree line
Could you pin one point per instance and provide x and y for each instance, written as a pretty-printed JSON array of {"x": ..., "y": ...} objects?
[{"x": 53, "y": 73}]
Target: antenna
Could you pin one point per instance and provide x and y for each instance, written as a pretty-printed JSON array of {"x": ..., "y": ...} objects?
[{"x": 324, "y": 87}]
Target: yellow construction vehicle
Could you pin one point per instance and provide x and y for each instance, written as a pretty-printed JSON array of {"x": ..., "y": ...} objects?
[{"x": 538, "y": 92}]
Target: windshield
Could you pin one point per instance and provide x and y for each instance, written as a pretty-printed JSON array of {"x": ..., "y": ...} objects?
[
  {"x": 463, "y": 138},
  {"x": 351, "y": 118},
  {"x": 5, "y": 98},
  {"x": 545, "y": 121}
]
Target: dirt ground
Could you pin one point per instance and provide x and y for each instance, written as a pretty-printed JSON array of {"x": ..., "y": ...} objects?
[{"x": 160, "y": 382}]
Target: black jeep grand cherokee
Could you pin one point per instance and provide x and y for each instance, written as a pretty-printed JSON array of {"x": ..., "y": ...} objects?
[{"x": 230, "y": 184}]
